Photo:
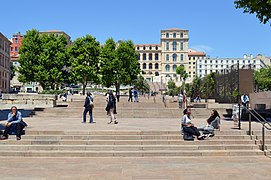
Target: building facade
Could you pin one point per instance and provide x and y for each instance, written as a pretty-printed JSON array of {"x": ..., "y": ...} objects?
[
  {"x": 159, "y": 62},
  {"x": 16, "y": 42},
  {"x": 222, "y": 65},
  {"x": 57, "y": 33},
  {"x": 4, "y": 64}
]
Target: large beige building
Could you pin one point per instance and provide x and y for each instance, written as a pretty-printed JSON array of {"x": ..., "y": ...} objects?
[
  {"x": 159, "y": 62},
  {"x": 4, "y": 64}
]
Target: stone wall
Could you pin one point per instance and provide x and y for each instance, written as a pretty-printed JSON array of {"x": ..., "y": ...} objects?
[
  {"x": 33, "y": 99},
  {"x": 260, "y": 98}
]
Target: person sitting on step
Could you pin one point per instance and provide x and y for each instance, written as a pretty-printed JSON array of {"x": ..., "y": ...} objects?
[
  {"x": 213, "y": 122},
  {"x": 14, "y": 119},
  {"x": 188, "y": 128}
]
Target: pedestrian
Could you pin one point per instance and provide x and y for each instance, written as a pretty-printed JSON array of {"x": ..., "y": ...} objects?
[
  {"x": 135, "y": 95},
  {"x": 245, "y": 100},
  {"x": 130, "y": 93},
  {"x": 118, "y": 96},
  {"x": 14, "y": 119},
  {"x": 88, "y": 108},
  {"x": 180, "y": 100},
  {"x": 164, "y": 99},
  {"x": 111, "y": 107}
]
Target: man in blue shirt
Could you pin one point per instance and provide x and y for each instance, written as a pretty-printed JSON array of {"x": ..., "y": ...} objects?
[{"x": 14, "y": 119}]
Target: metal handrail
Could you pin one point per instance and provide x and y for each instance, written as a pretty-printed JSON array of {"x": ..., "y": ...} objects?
[{"x": 262, "y": 121}]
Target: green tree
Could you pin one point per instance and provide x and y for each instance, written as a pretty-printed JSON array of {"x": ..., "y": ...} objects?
[
  {"x": 128, "y": 67},
  {"x": 262, "y": 79},
  {"x": 119, "y": 64},
  {"x": 108, "y": 63},
  {"x": 53, "y": 59},
  {"x": 29, "y": 51},
  {"x": 172, "y": 88},
  {"x": 84, "y": 60},
  {"x": 141, "y": 84},
  {"x": 208, "y": 85},
  {"x": 262, "y": 8},
  {"x": 42, "y": 58},
  {"x": 181, "y": 71}
]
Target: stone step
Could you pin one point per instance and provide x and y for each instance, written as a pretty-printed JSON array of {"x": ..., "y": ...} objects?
[
  {"x": 160, "y": 153},
  {"x": 125, "y": 147},
  {"x": 125, "y": 137},
  {"x": 125, "y": 142},
  {"x": 123, "y": 132}
]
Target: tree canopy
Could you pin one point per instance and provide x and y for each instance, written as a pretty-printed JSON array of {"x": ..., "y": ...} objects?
[
  {"x": 262, "y": 79},
  {"x": 262, "y": 8},
  {"x": 119, "y": 64},
  {"x": 84, "y": 60},
  {"x": 42, "y": 58}
]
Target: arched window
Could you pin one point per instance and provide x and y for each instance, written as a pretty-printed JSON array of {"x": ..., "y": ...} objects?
[
  {"x": 167, "y": 68},
  {"x": 174, "y": 45},
  {"x": 181, "y": 48},
  {"x": 181, "y": 35},
  {"x": 138, "y": 57},
  {"x": 174, "y": 67},
  {"x": 167, "y": 57},
  {"x": 144, "y": 66},
  {"x": 144, "y": 56},
  {"x": 150, "y": 56},
  {"x": 167, "y": 46},
  {"x": 156, "y": 66},
  {"x": 144, "y": 47},
  {"x": 167, "y": 35},
  {"x": 167, "y": 75},
  {"x": 174, "y": 35},
  {"x": 156, "y": 73},
  {"x": 174, "y": 57},
  {"x": 156, "y": 56},
  {"x": 181, "y": 57},
  {"x": 150, "y": 66}
]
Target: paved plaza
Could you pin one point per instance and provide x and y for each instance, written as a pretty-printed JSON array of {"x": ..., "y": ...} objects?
[{"x": 130, "y": 168}]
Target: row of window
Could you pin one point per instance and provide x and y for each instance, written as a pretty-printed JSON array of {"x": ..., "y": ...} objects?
[
  {"x": 174, "y": 46},
  {"x": 144, "y": 48},
  {"x": 174, "y": 35},
  {"x": 226, "y": 61},
  {"x": 174, "y": 57},
  {"x": 15, "y": 49},
  {"x": 156, "y": 56},
  {"x": 220, "y": 66},
  {"x": 150, "y": 66}
]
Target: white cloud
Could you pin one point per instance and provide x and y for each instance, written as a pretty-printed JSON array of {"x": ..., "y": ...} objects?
[{"x": 203, "y": 48}]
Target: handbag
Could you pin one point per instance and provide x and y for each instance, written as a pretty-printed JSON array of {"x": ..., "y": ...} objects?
[{"x": 107, "y": 108}]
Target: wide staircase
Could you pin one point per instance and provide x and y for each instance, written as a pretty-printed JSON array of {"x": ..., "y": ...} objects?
[{"x": 126, "y": 143}]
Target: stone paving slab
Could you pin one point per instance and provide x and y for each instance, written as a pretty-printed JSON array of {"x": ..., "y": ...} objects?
[{"x": 169, "y": 168}]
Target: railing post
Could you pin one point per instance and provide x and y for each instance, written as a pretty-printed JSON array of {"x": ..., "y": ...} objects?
[
  {"x": 249, "y": 125},
  {"x": 240, "y": 114},
  {"x": 263, "y": 138}
]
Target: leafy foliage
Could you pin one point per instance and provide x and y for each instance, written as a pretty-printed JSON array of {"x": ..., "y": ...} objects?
[
  {"x": 84, "y": 60},
  {"x": 141, "y": 84},
  {"x": 262, "y": 79},
  {"x": 181, "y": 71},
  {"x": 42, "y": 58},
  {"x": 119, "y": 64},
  {"x": 262, "y": 8}
]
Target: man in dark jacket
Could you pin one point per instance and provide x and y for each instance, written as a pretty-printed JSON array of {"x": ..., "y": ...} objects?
[{"x": 88, "y": 108}]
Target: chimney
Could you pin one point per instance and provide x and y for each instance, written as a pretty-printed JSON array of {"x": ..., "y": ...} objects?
[
  {"x": 251, "y": 56},
  {"x": 245, "y": 56}
]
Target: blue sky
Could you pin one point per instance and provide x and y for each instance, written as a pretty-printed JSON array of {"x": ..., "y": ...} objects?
[{"x": 215, "y": 26}]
